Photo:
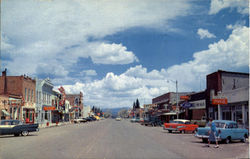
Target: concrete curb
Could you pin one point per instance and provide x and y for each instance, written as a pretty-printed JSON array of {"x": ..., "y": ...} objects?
[{"x": 51, "y": 125}]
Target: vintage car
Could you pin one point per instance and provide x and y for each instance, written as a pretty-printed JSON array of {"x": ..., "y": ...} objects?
[
  {"x": 180, "y": 125},
  {"x": 226, "y": 130},
  {"x": 16, "y": 127},
  {"x": 80, "y": 120},
  {"x": 152, "y": 122},
  {"x": 118, "y": 119}
]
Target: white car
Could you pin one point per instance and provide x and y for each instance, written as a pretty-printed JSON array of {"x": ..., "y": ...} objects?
[
  {"x": 118, "y": 119},
  {"x": 80, "y": 120}
]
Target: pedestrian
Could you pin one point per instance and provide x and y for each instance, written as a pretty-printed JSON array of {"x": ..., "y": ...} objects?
[{"x": 212, "y": 135}]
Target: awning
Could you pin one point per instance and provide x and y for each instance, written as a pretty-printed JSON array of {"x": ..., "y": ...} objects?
[
  {"x": 6, "y": 113},
  {"x": 172, "y": 113}
]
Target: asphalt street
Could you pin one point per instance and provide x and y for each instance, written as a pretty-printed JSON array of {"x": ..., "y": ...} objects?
[{"x": 110, "y": 139}]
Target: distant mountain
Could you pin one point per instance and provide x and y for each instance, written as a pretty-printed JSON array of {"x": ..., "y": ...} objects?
[{"x": 114, "y": 111}]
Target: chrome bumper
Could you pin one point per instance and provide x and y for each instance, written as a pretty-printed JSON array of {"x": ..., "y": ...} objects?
[
  {"x": 172, "y": 129},
  {"x": 206, "y": 137}
]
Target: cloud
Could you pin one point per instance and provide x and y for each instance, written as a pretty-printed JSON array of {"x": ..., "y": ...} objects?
[
  {"x": 137, "y": 82},
  {"x": 242, "y": 6},
  {"x": 238, "y": 24},
  {"x": 112, "y": 54},
  {"x": 60, "y": 33},
  {"x": 88, "y": 73},
  {"x": 204, "y": 33}
]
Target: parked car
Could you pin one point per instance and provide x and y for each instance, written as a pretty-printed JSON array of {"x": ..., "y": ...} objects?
[
  {"x": 16, "y": 127},
  {"x": 227, "y": 131},
  {"x": 89, "y": 119},
  {"x": 118, "y": 119},
  {"x": 80, "y": 120},
  {"x": 135, "y": 120},
  {"x": 180, "y": 125}
]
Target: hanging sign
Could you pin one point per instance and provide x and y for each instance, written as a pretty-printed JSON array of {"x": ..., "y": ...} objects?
[{"x": 221, "y": 101}]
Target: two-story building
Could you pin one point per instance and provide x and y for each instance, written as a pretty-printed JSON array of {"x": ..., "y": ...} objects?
[
  {"x": 21, "y": 91},
  {"x": 227, "y": 96},
  {"x": 44, "y": 102}
]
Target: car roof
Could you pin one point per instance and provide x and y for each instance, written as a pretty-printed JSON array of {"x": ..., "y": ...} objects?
[
  {"x": 183, "y": 120},
  {"x": 225, "y": 121}
]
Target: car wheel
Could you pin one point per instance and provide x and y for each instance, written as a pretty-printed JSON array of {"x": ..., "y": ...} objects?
[
  {"x": 228, "y": 140},
  {"x": 205, "y": 140},
  {"x": 17, "y": 134},
  {"x": 25, "y": 133},
  {"x": 170, "y": 131}
]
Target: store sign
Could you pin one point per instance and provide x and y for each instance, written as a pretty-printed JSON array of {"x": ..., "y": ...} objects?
[
  {"x": 221, "y": 101},
  {"x": 49, "y": 108},
  {"x": 184, "y": 97},
  {"x": 186, "y": 105}
]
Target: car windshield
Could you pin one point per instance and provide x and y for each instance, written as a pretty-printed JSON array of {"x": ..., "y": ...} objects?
[{"x": 218, "y": 124}]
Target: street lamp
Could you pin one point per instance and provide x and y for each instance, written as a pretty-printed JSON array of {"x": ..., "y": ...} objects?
[{"x": 177, "y": 99}]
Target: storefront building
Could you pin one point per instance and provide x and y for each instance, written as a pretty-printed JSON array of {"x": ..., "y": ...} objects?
[
  {"x": 4, "y": 107},
  {"x": 22, "y": 95},
  {"x": 44, "y": 101},
  {"x": 76, "y": 103},
  {"x": 167, "y": 109},
  {"x": 228, "y": 96},
  {"x": 197, "y": 111}
]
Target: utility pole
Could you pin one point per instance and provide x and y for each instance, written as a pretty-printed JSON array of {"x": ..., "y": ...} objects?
[{"x": 177, "y": 98}]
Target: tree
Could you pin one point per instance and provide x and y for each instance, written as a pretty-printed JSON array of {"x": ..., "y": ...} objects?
[
  {"x": 134, "y": 106},
  {"x": 137, "y": 104}
]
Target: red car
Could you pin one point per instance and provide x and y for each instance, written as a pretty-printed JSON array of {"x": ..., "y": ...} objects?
[{"x": 180, "y": 125}]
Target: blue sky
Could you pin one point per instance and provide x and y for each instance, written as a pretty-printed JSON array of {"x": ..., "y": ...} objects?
[{"x": 117, "y": 51}]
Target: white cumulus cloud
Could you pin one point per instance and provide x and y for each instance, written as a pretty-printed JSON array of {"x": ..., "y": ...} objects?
[
  {"x": 242, "y": 6},
  {"x": 204, "y": 33},
  {"x": 61, "y": 32},
  {"x": 137, "y": 82}
]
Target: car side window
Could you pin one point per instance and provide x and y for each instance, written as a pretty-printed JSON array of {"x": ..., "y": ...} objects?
[
  {"x": 230, "y": 126},
  {"x": 187, "y": 123},
  {"x": 235, "y": 126}
]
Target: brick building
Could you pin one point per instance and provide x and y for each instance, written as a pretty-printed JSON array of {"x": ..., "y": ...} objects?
[
  {"x": 76, "y": 102},
  {"x": 198, "y": 109},
  {"x": 21, "y": 91},
  {"x": 167, "y": 109},
  {"x": 232, "y": 86}
]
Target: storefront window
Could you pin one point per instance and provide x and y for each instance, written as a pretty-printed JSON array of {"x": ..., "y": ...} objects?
[
  {"x": 46, "y": 115},
  {"x": 238, "y": 115}
]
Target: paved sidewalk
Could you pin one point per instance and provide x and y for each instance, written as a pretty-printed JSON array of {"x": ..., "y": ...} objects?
[{"x": 44, "y": 125}]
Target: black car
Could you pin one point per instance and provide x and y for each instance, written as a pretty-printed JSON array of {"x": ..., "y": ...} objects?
[
  {"x": 153, "y": 121},
  {"x": 16, "y": 127},
  {"x": 91, "y": 118}
]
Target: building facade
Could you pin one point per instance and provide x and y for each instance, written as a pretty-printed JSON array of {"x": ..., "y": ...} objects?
[
  {"x": 233, "y": 89},
  {"x": 76, "y": 102},
  {"x": 22, "y": 96},
  {"x": 167, "y": 107},
  {"x": 44, "y": 102},
  {"x": 197, "y": 111}
]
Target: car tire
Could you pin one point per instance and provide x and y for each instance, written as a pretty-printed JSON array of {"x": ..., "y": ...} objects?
[
  {"x": 16, "y": 134},
  {"x": 204, "y": 140},
  {"x": 228, "y": 140},
  {"x": 170, "y": 131},
  {"x": 25, "y": 133}
]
